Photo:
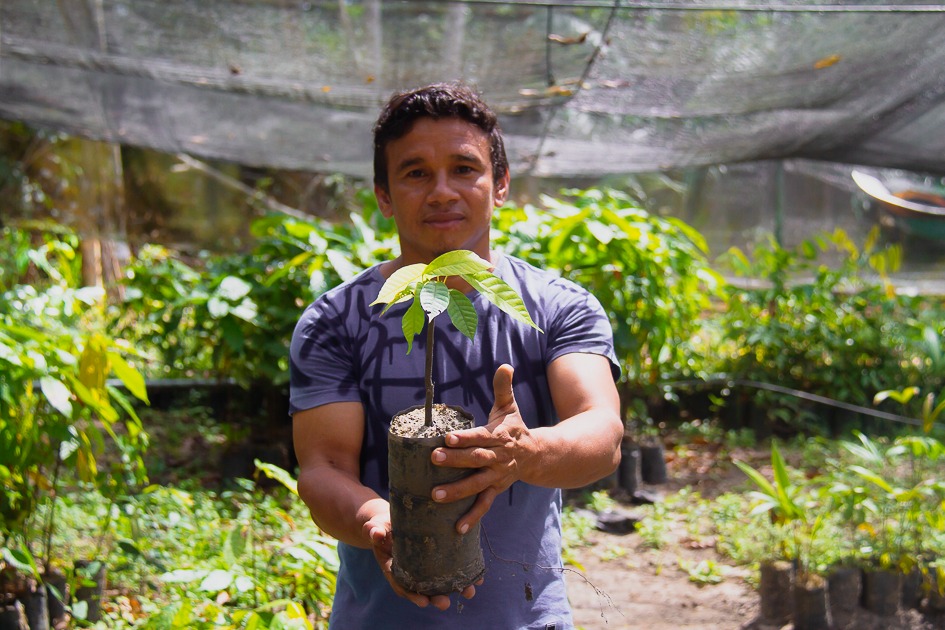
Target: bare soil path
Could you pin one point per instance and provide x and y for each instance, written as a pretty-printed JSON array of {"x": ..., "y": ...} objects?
[{"x": 625, "y": 583}]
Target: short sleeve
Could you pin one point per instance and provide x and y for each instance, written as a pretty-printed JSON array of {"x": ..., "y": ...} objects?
[
  {"x": 321, "y": 359},
  {"x": 579, "y": 324}
]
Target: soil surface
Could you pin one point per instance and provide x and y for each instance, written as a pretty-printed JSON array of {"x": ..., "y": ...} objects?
[
  {"x": 446, "y": 418},
  {"x": 623, "y": 583}
]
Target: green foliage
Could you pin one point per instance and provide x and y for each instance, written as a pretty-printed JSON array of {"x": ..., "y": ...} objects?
[
  {"x": 704, "y": 572},
  {"x": 576, "y": 525},
  {"x": 654, "y": 527},
  {"x": 231, "y": 316},
  {"x": 202, "y": 559},
  {"x": 874, "y": 503},
  {"x": 823, "y": 329},
  {"x": 425, "y": 286},
  {"x": 56, "y": 403},
  {"x": 650, "y": 273},
  {"x": 896, "y": 492}
]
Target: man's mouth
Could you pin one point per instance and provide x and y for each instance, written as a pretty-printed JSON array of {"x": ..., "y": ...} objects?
[{"x": 444, "y": 219}]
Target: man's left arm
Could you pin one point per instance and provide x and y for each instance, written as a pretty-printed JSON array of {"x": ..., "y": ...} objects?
[{"x": 582, "y": 447}]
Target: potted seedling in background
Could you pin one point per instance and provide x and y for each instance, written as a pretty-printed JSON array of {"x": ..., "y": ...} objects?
[
  {"x": 429, "y": 556},
  {"x": 808, "y": 590}
]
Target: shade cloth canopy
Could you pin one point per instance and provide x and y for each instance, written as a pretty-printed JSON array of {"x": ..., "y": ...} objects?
[{"x": 583, "y": 88}]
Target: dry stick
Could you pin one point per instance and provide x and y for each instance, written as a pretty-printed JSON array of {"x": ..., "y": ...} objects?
[{"x": 527, "y": 567}]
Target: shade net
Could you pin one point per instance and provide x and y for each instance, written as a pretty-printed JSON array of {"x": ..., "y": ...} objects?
[{"x": 582, "y": 88}]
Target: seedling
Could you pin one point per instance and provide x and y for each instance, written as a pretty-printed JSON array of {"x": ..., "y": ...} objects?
[{"x": 426, "y": 286}]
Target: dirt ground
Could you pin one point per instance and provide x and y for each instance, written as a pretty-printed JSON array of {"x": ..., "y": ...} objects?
[{"x": 626, "y": 584}]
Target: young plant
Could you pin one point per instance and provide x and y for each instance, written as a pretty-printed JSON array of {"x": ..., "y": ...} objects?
[
  {"x": 787, "y": 506},
  {"x": 426, "y": 286}
]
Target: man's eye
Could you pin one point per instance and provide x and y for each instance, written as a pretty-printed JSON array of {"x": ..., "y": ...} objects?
[
  {"x": 464, "y": 169},
  {"x": 415, "y": 173}
]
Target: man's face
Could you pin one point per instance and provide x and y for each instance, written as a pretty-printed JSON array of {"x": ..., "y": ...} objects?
[{"x": 441, "y": 191}]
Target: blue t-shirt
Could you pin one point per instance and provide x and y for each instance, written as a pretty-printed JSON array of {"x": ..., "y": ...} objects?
[{"x": 344, "y": 350}]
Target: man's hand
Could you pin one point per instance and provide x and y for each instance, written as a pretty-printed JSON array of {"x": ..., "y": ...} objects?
[
  {"x": 501, "y": 450},
  {"x": 378, "y": 531}
]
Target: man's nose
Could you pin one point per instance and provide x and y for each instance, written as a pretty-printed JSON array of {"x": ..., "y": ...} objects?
[{"x": 443, "y": 189}]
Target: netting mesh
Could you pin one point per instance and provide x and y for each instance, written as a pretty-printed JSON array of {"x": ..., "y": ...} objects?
[{"x": 582, "y": 87}]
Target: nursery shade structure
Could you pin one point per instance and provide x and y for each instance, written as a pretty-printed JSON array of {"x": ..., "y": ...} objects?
[{"x": 582, "y": 88}]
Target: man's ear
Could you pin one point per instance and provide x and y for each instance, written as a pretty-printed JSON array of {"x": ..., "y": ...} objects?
[
  {"x": 383, "y": 201},
  {"x": 501, "y": 193}
]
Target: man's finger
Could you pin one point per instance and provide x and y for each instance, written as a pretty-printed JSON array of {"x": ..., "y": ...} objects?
[
  {"x": 502, "y": 386},
  {"x": 477, "y": 511}
]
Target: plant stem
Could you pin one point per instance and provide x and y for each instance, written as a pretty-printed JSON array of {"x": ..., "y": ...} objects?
[
  {"x": 47, "y": 544},
  {"x": 428, "y": 378}
]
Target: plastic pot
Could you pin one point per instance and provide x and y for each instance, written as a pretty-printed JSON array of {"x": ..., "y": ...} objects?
[
  {"x": 844, "y": 585},
  {"x": 629, "y": 471},
  {"x": 653, "y": 463},
  {"x": 430, "y": 556},
  {"x": 777, "y": 591},
  {"x": 911, "y": 596},
  {"x": 881, "y": 591},
  {"x": 13, "y": 617},
  {"x": 37, "y": 611},
  {"x": 811, "y": 611},
  {"x": 57, "y": 594}
]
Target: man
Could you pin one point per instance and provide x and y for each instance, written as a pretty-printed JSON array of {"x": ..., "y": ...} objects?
[{"x": 440, "y": 169}]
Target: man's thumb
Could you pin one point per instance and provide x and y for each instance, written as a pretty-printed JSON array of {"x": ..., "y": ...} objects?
[{"x": 502, "y": 385}]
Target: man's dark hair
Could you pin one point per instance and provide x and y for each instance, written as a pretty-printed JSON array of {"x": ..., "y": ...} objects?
[{"x": 440, "y": 100}]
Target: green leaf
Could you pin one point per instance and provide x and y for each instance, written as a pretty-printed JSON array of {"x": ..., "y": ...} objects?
[
  {"x": 233, "y": 288},
  {"x": 129, "y": 548},
  {"x": 282, "y": 476},
  {"x": 497, "y": 291},
  {"x": 21, "y": 559},
  {"x": 218, "y": 307},
  {"x": 929, "y": 413},
  {"x": 765, "y": 485},
  {"x": 342, "y": 265},
  {"x": 603, "y": 233},
  {"x": 901, "y": 397},
  {"x": 184, "y": 616},
  {"x": 463, "y": 314},
  {"x": 243, "y": 583},
  {"x": 399, "y": 282},
  {"x": 412, "y": 323},
  {"x": 873, "y": 478},
  {"x": 80, "y": 609},
  {"x": 456, "y": 263},
  {"x": 783, "y": 483},
  {"x": 182, "y": 576},
  {"x": 434, "y": 298},
  {"x": 57, "y": 394},
  {"x": 129, "y": 376},
  {"x": 245, "y": 310},
  {"x": 233, "y": 546},
  {"x": 217, "y": 580}
]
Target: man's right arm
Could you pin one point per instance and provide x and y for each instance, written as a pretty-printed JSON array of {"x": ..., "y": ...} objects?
[
  {"x": 327, "y": 443},
  {"x": 328, "y": 446}
]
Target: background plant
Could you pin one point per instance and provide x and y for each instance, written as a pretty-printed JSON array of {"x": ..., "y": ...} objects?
[
  {"x": 650, "y": 273},
  {"x": 193, "y": 557},
  {"x": 832, "y": 330},
  {"x": 56, "y": 404}
]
